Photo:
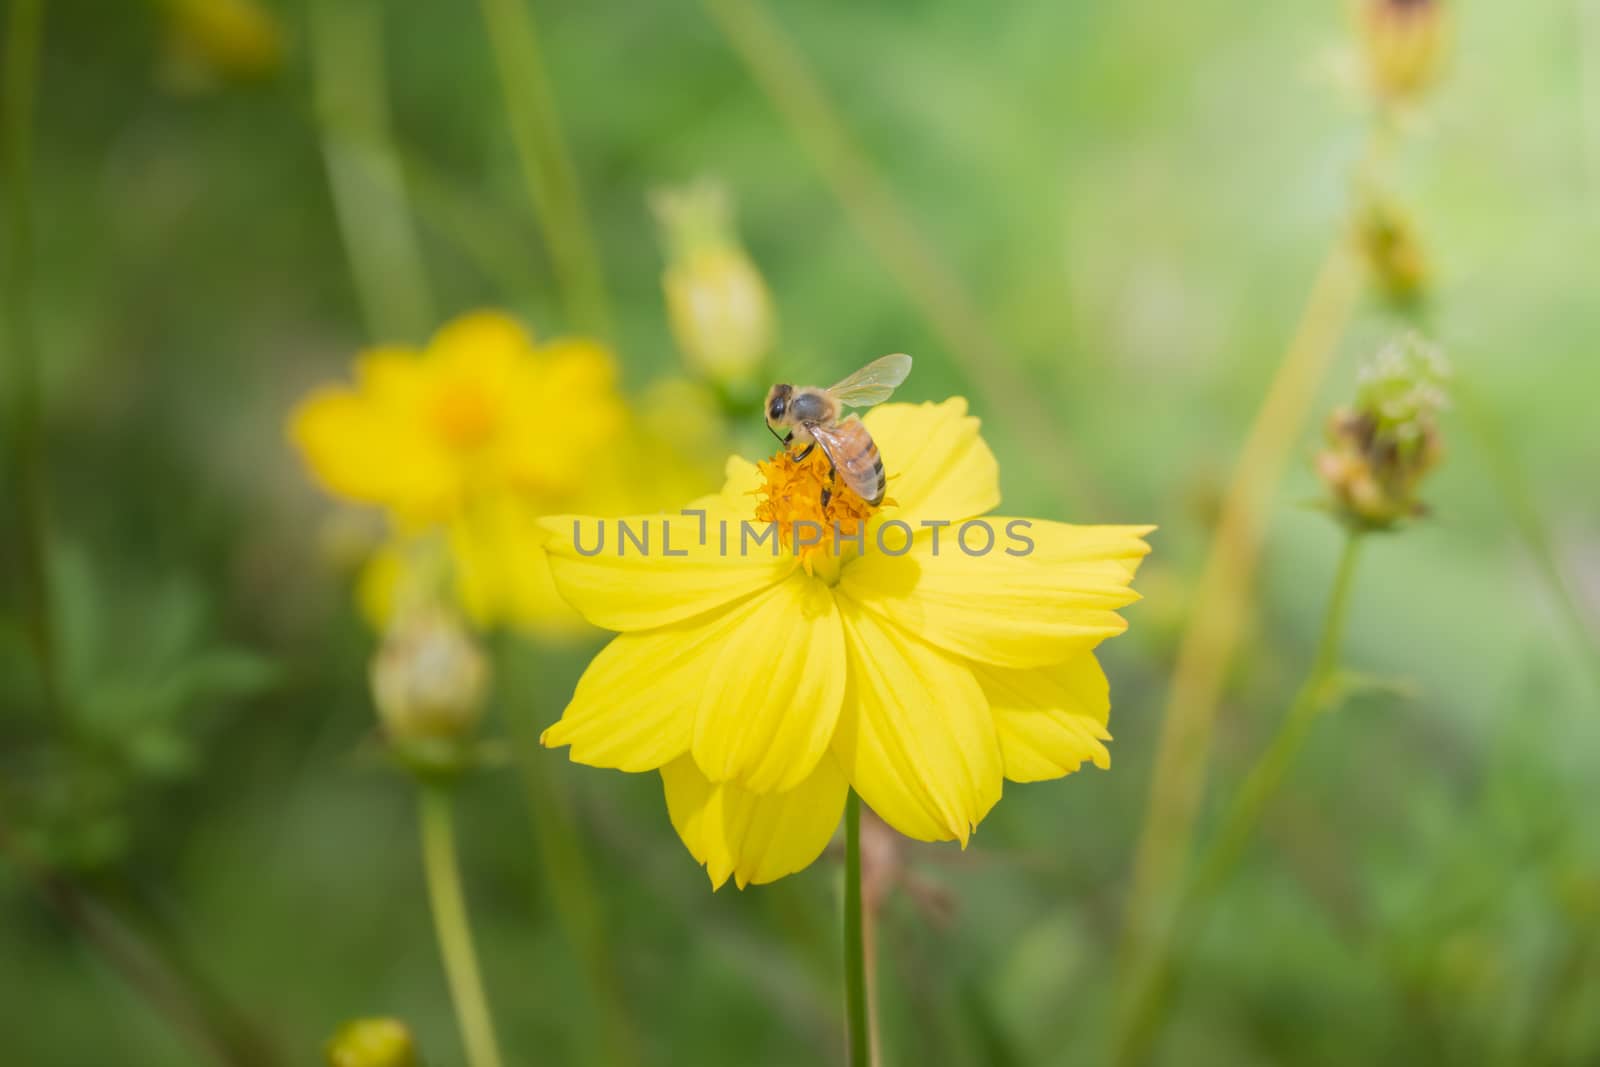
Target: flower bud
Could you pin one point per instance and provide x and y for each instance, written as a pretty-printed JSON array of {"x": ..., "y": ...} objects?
[
  {"x": 428, "y": 678},
  {"x": 717, "y": 302},
  {"x": 216, "y": 41},
  {"x": 1393, "y": 251},
  {"x": 1405, "y": 43},
  {"x": 372, "y": 1043},
  {"x": 1380, "y": 448}
]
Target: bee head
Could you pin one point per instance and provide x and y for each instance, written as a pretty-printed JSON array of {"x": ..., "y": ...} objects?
[{"x": 778, "y": 404}]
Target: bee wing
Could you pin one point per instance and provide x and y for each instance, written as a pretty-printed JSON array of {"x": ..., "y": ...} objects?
[
  {"x": 854, "y": 456},
  {"x": 873, "y": 383}
]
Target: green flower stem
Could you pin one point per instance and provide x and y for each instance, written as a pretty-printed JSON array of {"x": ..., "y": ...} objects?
[
  {"x": 855, "y": 958},
  {"x": 1141, "y": 1022},
  {"x": 547, "y": 165},
  {"x": 1500, "y": 462},
  {"x": 1221, "y": 606},
  {"x": 930, "y": 283},
  {"x": 24, "y": 30},
  {"x": 574, "y": 899},
  {"x": 455, "y": 932},
  {"x": 364, "y": 172},
  {"x": 200, "y": 1017},
  {"x": 1316, "y": 694}
]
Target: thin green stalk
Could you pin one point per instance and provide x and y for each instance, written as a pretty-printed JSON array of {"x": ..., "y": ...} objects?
[
  {"x": 24, "y": 31},
  {"x": 364, "y": 172},
  {"x": 928, "y": 281},
  {"x": 473, "y": 225},
  {"x": 1586, "y": 30},
  {"x": 859, "y": 1037},
  {"x": 196, "y": 1015},
  {"x": 547, "y": 165},
  {"x": 1267, "y": 775},
  {"x": 1151, "y": 991},
  {"x": 1222, "y": 602},
  {"x": 455, "y": 932},
  {"x": 567, "y": 874},
  {"x": 1508, "y": 478}
]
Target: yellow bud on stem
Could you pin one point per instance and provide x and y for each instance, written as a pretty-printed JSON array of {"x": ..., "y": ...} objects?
[
  {"x": 429, "y": 680},
  {"x": 372, "y": 1043},
  {"x": 718, "y": 304}
]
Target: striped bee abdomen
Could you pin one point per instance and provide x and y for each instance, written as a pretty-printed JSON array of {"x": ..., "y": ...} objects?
[{"x": 854, "y": 456}]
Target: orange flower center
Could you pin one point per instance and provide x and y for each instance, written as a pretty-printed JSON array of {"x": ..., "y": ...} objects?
[
  {"x": 463, "y": 414},
  {"x": 791, "y": 498}
]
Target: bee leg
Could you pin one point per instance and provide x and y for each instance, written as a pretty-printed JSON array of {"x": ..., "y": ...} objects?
[
  {"x": 827, "y": 490},
  {"x": 804, "y": 453}
]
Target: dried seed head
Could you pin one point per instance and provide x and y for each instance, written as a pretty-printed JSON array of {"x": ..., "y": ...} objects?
[
  {"x": 372, "y": 1043},
  {"x": 1405, "y": 43},
  {"x": 717, "y": 302},
  {"x": 1380, "y": 448}
]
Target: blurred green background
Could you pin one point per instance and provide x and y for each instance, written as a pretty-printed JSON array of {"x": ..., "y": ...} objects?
[{"x": 1138, "y": 196}]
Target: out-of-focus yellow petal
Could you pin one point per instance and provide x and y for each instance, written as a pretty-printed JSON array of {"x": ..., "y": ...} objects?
[
  {"x": 915, "y": 738},
  {"x": 643, "y": 571},
  {"x": 938, "y": 466},
  {"x": 366, "y": 445},
  {"x": 751, "y": 837},
  {"x": 1050, "y": 719},
  {"x": 378, "y": 583},
  {"x": 502, "y": 572},
  {"x": 565, "y": 420},
  {"x": 1055, "y": 600},
  {"x": 769, "y": 704},
  {"x": 487, "y": 346},
  {"x": 394, "y": 378}
]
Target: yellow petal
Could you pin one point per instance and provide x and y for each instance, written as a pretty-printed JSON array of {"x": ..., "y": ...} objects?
[
  {"x": 502, "y": 571},
  {"x": 1042, "y": 606},
  {"x": 367, "y": 444},
  {"x": 737, "y": 499},
  {"x": 938, "y": 465},
  {"x": 489, "y": 347},
  {"x": 580, "y": 418},
  {"x": 393, "y": 377},
  {"x": 915, "y": 737},
  {"x": 754, "y": 838},
  {"x": 381, "y": 577},
  {"x": 770, "y": 702},
  {"x": 1050, "y": 719},
  {"x": 602, "y": 570},
  {"x": 634, "y": 708}
]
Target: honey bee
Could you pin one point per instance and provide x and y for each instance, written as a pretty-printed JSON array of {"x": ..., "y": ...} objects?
[{"x": 809, "y": 416}]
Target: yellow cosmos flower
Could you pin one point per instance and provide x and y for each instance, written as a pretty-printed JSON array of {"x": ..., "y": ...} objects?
[
  {"x": 773, "y": 653},
  {"x": 475, "y": 436}
]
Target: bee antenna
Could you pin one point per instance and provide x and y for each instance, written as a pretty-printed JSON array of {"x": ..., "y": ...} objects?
[{"x": 776, "y": 434}]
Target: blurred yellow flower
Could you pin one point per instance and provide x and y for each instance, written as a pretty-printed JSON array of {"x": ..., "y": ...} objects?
[
  {"x": 773, "y": 652},
  {"x": 474, "y": 437}
]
